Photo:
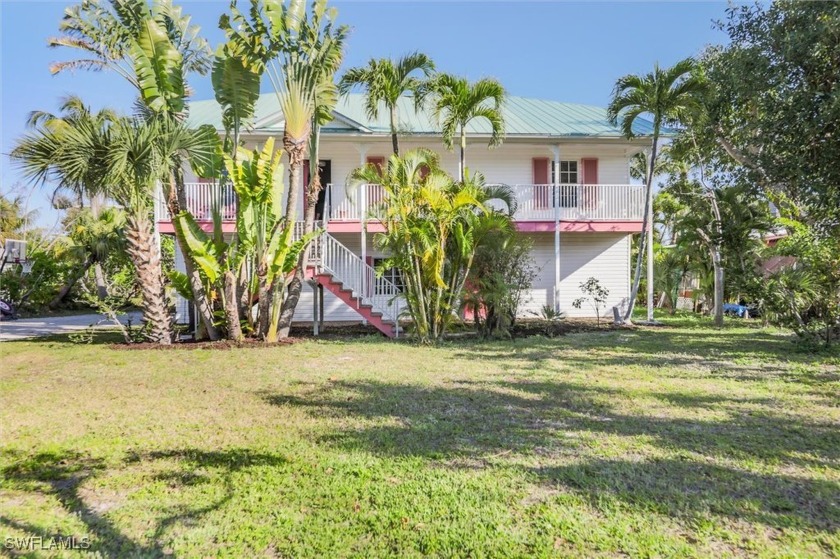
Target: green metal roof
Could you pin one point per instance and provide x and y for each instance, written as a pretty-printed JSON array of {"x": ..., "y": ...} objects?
[{"x": 523, "y": 117}]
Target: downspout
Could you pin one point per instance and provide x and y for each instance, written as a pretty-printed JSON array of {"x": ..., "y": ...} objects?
[{"x": 555, "y": 200}]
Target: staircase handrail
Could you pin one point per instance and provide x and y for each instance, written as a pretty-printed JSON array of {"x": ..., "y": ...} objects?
[{"x": 345, "y": 266}]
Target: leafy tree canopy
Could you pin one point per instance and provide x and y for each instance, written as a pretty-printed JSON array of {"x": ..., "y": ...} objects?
[{"x": 774, "y": 105}]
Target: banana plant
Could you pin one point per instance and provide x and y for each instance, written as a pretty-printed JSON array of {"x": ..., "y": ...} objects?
[{"x": 263, "y": 242}]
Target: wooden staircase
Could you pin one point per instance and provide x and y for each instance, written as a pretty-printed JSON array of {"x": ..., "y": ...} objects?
[
  {"x": 344, "y": 274},
  {"x": 366, "y": 310}
]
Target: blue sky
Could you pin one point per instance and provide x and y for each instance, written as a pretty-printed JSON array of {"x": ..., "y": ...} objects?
[{"x": 565, "y": 51}]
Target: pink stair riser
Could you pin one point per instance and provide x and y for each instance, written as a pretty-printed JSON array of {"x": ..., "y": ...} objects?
[{"x": 366, "y": 312}]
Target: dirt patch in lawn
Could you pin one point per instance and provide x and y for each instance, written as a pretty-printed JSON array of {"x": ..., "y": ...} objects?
[
  {"x": 222, "y": 345},
  {"x": 346, "y": 331},
  {"x": 298, "y": 334},
  {"x": 554, "y": 328}
]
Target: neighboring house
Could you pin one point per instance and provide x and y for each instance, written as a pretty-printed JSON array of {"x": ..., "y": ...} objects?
[{"x": 567, "y": 165}]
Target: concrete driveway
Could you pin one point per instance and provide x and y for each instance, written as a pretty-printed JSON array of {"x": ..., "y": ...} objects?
[{"x": 33, "y": 327}]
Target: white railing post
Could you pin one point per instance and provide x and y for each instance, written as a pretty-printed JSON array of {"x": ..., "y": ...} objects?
[{"x": 328, "y": 213}]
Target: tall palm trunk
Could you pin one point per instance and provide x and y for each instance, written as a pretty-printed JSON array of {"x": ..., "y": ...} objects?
[
  {"x": 296, "y": 151},
  {"x": 311, "y": 200},
  {"x": 68, "y": 287},
  {"x": 263, "y": 302},
  {"x": 175, "y": 201},
  {"x": 101, "y": 287},
  {"x": 395, "y": 139},
  {"x": 231, "y": 307},
  {"x": 718, "y": 270},
  {"x": 145, "y": 255},
  {"x": 714, "y": 246},
  {"x": 646, "y": 242}
]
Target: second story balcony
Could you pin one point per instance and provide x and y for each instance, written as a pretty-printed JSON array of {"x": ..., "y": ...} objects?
[{"x": 537, "y": 203}]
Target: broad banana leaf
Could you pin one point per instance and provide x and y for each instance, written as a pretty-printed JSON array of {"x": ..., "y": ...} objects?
[
  {"x": 237, "y": 88},
  {"x": 207, "y": 157},
  {"x": 203, "y": 250},
  {"x": 159, "y": 69},
  {"x": 181, "y": 283},
  {"x": 290, "y": 258}
]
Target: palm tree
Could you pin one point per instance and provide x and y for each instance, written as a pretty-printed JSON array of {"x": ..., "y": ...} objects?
[
  {"x": 15, "y": 216},
  {"x": 116, "y": 157},
  {"x": 114, "y": 34},
  {"x": 324, "y": 51},
  {"x": 94, "y": 237},
  {"x": 667, "y": 95},
  {"x": 83, "y": 189},
  {"x": 457, "y": 102},
  {"x": 138, "y": 158},
  {"x": 433, "y": 226},
  {"x": 385, "y": 81},
  {"x": 153, "y": 46}
]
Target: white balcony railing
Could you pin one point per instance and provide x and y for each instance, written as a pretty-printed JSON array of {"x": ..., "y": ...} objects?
[
  {"x": 580, "y": 202},
  {"x": 537, "y": 202},
  {"x": 200, "y": 198}
]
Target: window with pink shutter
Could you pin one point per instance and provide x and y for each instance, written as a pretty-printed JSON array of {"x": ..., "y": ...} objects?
[
  {"x": 590, "y": 181},
  {"x": 542, "y": 188},
  {"x": 376, "y": 193}
]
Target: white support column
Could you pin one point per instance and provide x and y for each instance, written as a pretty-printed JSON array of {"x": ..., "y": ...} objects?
[
  {"x": 629, "y": 159},
  {"x": 649, "y": 247},
  {"x": 316, "y": 320},
  {"x": 556, "y": 202},
  {"x": 363, "y": 149},
  {"x": 158, "y": 194}
]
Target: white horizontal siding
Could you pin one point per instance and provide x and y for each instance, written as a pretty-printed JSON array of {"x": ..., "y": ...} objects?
[
  {"x": 604, "y": 256},
  {"x": 542, "y": 288},
  {"x": 582, "y": 255},
  {"x": 335, "y": 310}
]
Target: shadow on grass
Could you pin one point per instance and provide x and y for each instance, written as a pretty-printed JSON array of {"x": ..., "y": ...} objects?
[
  {"x": 63, "y": 475},
  {"x": 474, "y": 424},
  {"x": 735, "y": 353}
]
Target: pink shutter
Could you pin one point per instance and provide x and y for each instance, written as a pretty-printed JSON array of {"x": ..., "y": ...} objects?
[
  {"x": 305, "y": 173},
  {"x": 378, "y": 162},
  {"x": 375, "y": 193},
  {"x": 541, "y": 181},
  {"x": 590, "y": 181}
]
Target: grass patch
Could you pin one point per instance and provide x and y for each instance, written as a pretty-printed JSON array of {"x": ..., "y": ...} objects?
[{"x": 675, "y": 441}]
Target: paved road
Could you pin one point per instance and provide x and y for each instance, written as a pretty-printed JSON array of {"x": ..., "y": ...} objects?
[{"x": 32, "y": 327}]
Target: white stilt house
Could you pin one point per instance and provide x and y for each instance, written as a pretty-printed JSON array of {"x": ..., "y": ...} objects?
[{"x": 567, "y": 165}]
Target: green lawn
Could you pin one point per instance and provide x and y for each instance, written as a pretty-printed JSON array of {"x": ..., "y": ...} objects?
[{"x": 663, "y": 442}]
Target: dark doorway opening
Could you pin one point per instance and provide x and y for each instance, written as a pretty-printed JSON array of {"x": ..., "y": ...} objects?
[{"x": 325, "y": 170}]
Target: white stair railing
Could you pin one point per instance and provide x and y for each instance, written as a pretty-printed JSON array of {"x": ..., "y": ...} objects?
[{"x": 355, "y": 274}]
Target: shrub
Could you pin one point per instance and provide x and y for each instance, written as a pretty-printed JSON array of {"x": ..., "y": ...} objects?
[
  {"x": 502, "y": 272},
  {"x": 593, "y": 293}
]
